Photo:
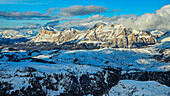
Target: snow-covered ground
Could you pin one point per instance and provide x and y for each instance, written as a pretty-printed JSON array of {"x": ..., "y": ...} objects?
[
  {"x": 79, "y": 62},
  {"x": 139, "y": 88},
  {"x": 115, "y": 57},
  {"x": 137, "y": 58},
  {"x": 124, "y": 87},
  {"x": 122, "y": 58},
  {"x": 48, "y": 68},
  {"x": 17, "y": 75}
]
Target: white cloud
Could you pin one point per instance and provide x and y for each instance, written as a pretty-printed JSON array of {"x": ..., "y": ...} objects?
[{"x": 158, "y": 20}]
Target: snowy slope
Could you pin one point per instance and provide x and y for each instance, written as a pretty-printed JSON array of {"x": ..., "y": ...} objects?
[
  {"x": 86, "y": 72},
  {"x": 139, "y": 88},
  {"x": 142, "y": 59}
]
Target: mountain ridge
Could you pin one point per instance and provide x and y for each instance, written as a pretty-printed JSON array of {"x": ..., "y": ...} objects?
[{"x": 100, "y": 34}]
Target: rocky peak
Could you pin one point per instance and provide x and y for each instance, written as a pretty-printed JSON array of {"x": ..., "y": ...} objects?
[
  {"x": 69, "y": 30},
  {"x": 46, "y": 31},
  {"x": 98, "y": 24},
  {"x": 101, "y": 34}
]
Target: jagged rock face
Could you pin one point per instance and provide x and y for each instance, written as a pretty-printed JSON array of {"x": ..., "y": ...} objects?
[
  {"x": 44, "y": 34},
  {"x": 59, "y": 36},
  {"x": 101, "y": 35}
]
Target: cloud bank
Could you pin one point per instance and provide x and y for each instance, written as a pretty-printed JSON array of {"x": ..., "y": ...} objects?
[
  {"x": 158, "y": 20},
  {"x": 115, "y": 10},
  {"x": 78, "y": 10},
  {"x": 149, "y": 21},
  {"x": 53, "y": 13},
  {"x": 84, "y": 24},
  {"x": 27, "y": 15}
]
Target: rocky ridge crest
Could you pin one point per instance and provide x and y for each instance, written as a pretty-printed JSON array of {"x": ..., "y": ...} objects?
[{"x": 101, "y": 35}]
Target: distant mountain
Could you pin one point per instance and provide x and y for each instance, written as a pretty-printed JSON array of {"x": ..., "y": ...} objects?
[
  {"x": 27, "y": 31},
  {"x": 8, "y": 41},
  {"x": 165, "y": 37},
  {"x": 101, "y": 35},
  {"x": 18, "y": 34}
]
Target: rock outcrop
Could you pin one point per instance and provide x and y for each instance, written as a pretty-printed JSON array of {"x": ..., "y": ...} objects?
[{"x": 100, "y": 35}]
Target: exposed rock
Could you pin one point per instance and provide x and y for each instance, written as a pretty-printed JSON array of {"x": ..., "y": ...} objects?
[
  {"x": 43, "y": 31},
  {"x": 101, "y": 34},
  {"x": 98, "y": 24}
]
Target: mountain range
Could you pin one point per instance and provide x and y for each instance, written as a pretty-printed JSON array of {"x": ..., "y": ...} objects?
[
  {"x": 103, "y": 60},
  {"x": 100, "y": 35}
]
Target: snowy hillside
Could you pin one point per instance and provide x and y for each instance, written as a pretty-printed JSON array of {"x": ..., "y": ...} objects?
[
  {"x": 133, "y": 88},
  {"x": 97, "y": 72}
]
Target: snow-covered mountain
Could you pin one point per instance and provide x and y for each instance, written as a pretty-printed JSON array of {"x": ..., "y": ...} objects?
[
  {"x": 27, "y": 31},
  {"x": 101, "y": 35},
  {"x": 113, "y": 71},
  {"x": 165, "y": 37},
  {"x": 58, "y": 63},
  {"x": 18, "y": 34}
]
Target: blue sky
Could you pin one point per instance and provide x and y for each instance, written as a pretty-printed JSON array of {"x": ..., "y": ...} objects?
[
  {"x": 128, "y": 6},
  {"x": 138, "y": 7}
]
